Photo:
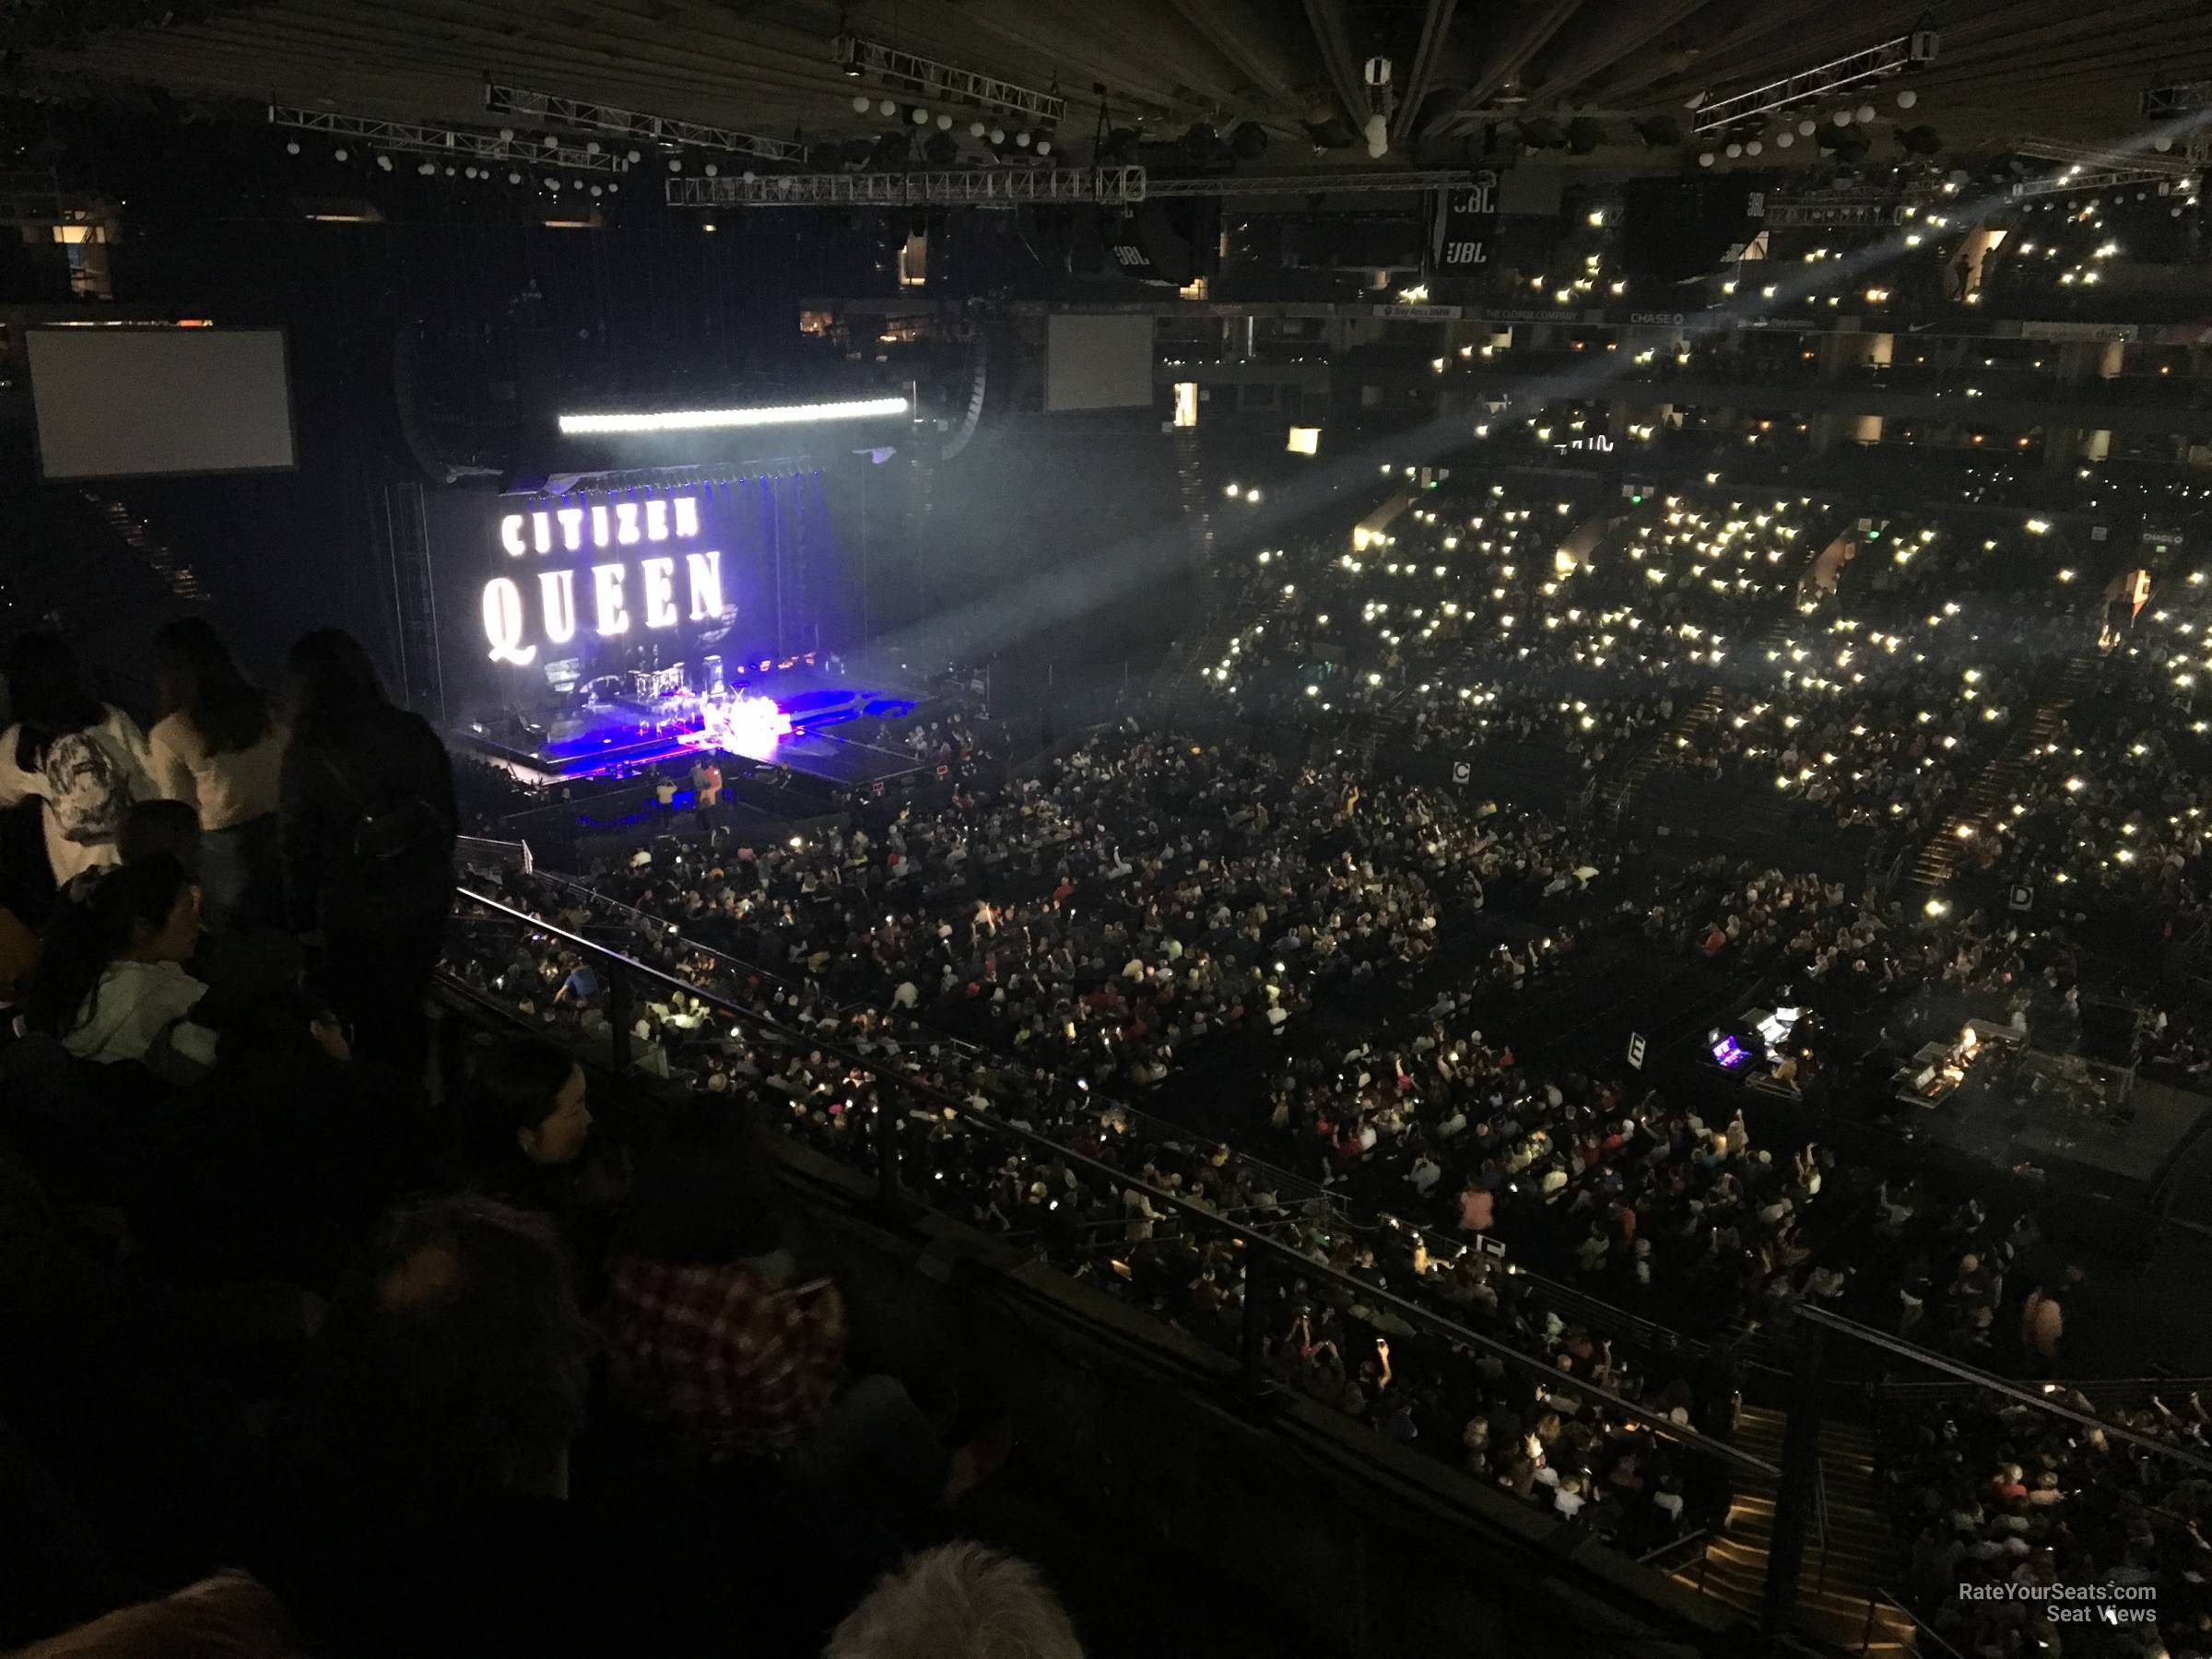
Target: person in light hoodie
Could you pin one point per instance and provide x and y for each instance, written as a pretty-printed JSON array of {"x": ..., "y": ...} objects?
[{"x": 111, "y": 984}]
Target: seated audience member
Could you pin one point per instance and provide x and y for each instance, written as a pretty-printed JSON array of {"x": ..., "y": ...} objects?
[
  {"x": 525, "y": 1124},
  {"x": 427, "y": 1499},
  {"x": 228, "y": 1616},
  {"x": 217, "y": 748},
  {"x": 722, "y": 1339},
  {"x": 84, "y": 760},
  {"x": 960, "y": 1601},
  {"x": 111, "y": 984},
  {"x": 718, "y": 1336}
]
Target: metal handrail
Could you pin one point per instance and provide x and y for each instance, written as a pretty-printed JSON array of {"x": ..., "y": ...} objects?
[
  {"x": 2109, "y": 1386},
  {"x": 1920, "y": 1626},
  {"x": 1820, "y": 1518},
  {"x": 1264, "y": 1255},
  {"x": 1564, "y": 1299},
  {"x": 1992, "y": 1383},
  {"x": 1281, "y": 1181},
  {"x": 1703, "y": 1535},
  {"x": 514, "y": 852}
]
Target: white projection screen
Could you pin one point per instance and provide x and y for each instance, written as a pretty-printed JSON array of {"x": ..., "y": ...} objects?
[
  {"x": 115, "y": 402},
  {"x": 1097, "y": 363}
]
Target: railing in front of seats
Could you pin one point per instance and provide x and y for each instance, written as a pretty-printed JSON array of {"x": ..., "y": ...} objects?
[{"x": 1263, "y": 1256}]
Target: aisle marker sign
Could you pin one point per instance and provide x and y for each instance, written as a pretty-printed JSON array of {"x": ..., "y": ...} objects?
[{"x": 1636, "y": 1049}]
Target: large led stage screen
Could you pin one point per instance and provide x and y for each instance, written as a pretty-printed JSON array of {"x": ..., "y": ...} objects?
[{"x": 539, "y": 597}]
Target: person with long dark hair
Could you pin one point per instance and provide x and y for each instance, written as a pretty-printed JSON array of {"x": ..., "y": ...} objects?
[
  {"x": 365, "y": 832},
  {"x": 218, "y": 747},
  {"x": 85, "y": 760},
  {"x": 524, "y": 1124}
]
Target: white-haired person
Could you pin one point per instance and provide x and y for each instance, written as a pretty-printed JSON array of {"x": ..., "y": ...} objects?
[{"x": 959, "y": 1601}]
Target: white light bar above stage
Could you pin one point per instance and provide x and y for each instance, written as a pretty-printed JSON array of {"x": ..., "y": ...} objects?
[{"x": 696, "y": 420}]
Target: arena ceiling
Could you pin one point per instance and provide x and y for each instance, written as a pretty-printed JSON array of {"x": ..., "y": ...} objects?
[{"x": 1462, "y": 68}]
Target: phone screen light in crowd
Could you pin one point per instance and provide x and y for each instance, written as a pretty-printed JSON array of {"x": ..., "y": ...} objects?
[{"x": 693, "y": 420}]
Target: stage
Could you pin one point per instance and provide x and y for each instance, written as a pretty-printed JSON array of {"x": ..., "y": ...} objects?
[
  {"x": 834, "y": 730},
  {"x": 2094, "y": 1133}
]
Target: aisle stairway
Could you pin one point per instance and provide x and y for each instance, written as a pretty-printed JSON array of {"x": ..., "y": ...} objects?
[
  {"x": 1615, "y": 794},
  {"x": 1861, "y": 1555},
  {"x": 2001, "y": 781}
]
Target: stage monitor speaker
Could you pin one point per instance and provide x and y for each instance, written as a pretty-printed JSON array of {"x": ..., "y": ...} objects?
[{"x": 2110, "y": 1031}]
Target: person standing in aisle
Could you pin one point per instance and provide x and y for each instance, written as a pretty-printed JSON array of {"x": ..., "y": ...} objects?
[
  {"x": 366, "y": 831},
  {"x": 217, "y": 748}
]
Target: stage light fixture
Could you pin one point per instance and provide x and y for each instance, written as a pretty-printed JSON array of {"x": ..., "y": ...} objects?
[
  {"x": 976, "y": 129},
  {"x": 695, "y": 420},
  {"x": 1705, "y": 159},
  {"x": 1044, "y": 147},
  {"x": 860, "y": 104},
  {"x": 1807, "y": 127},
  {"x": 921, "y": 116},
  {"x": 889, "y": 106},
  {"x": 1907, "y": 98},
  {"x": 998, "y": 135},
  {"x": 894, "y": 67}
]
